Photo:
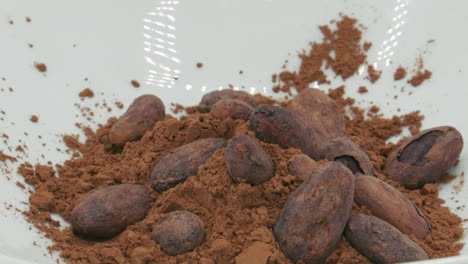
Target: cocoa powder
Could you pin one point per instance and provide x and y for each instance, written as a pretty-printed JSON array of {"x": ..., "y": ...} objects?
[
  {"x": 238, "y": 218},
  {"x": 399, "y": 74}
]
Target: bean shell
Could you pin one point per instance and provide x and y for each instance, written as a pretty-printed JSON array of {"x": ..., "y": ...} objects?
[
  {"x": 108, "y": 211},
  {"x": 179, "y": 232},
  {"x": 424, "y": 157},
  {"x": 183, "y": 162},
  {"x": 380, "y": 242},
  {"x": 247, "y": 162},
  {"x": 320, "y": 111},
  {"x": 209, "y": 99},
  {"x": 140, "y": 117},
  {"x": 313, "y": 219},
  {"x": 390, "y": 205},
  {"x": 301, "y": 167},
  {"x": 229, "y": 108},
  {"x": 344, "y": 150},
  {"x": 274, "y": 124}
]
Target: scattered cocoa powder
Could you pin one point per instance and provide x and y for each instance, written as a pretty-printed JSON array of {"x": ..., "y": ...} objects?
[
  {"x": 135, "y": 83},
  {"x": 340, "y": 49},
  {"x": 28, "y": 19},
  {"x": 11, "y": 22},
  {"x": 199, "y": 65},
  {"x": 362, "y": 89},
  {"x": 40, "y": 66},
  {"x": 177, "y": 108},
  {"x": 367, "y": 46},
  {"x": 30, "y": 45},
  {"x": 420, "y": 77},
  {"x": 86, "y": 93},
  {"x": 4, "y": 157},
  {"x": 238, "y": 217},
  {"x": 374, "y": 74},
  {"x": 399, "y": 74},
  {"x": 34, "y": 118}
]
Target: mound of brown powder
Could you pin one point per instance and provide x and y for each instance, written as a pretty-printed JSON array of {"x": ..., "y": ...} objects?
[{"x": 238, "y": 217}]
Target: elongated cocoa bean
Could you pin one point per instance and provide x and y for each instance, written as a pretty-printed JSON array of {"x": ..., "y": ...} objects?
[
  {"x": 312, "y": 221},
  {"x": 183, "y": 162},
  {"x": 212, "y": 98},
  {"x": 274, "y": 124},
  {"x": 390, "y": 205},
  {"x": 380, "y": 242}
]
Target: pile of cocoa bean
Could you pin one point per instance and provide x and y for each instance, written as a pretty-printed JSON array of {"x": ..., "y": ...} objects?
[{"x": 333, "y": 172}]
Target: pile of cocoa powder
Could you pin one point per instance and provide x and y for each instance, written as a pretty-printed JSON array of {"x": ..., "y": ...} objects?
[{"x": 238, "y": 218}]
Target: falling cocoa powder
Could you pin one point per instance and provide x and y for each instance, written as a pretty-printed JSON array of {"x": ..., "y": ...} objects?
[
  {"x": 340, "y": 50},
  {"x": 420, "y": 77},
  {"x": 238, "y": 217},
  {"x": 40, "y": 66},
  {"x": 362, "y": 89},
  {"x": 86, "y": 93},
  {"x": 34, "y": 118},
  {"x": 28, "y": 19},
  {"x": 199, "y": 65},
  {"x": 399, "y": 74},
  {"x": 374, "y": 74},
  {"x": 135, "y": 83}
]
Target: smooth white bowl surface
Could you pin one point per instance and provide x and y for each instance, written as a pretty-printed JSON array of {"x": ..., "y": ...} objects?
[{"x": 156, "y": 42}]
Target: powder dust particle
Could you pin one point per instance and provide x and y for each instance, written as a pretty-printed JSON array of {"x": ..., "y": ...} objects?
[
  {"x": 11, "y": 22},
  {"x": 420, "y": 77},
  {"x": 28, "y": 19},
  {"x": 374, "y": 74},
  {"x": 362, "y": 89},
  {"x": 199, "y": 65},
  {"x": 86, "y": 93},
  {"x": 30, "y": 45},
  {"x": 34, "y": 118},
  {"x": 399, "y": 74},
  {"x": 135, "y": 83},
  {"x": 40, "y": 66}
]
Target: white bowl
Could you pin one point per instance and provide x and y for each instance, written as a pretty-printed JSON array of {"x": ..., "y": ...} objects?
[{"x": 113, "y": 42}]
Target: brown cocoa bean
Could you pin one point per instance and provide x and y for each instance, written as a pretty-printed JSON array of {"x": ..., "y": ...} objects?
[
  {"x": 301, "y": 167},
  {"x": 108, "y": 211},
  {"x": 424, "y": 157},
  {"x": 229, "y": 108},
  {"x": 274, "y": 124},
  {"x": 247, "y": 162},
  {"x": 313, "y": 219},
  {"x": 320, "y": 111},
  {"x": 389, "y": 204},
  {"x": 140, "y": 117},
  {"x": 179, "y": 232},
  {"x": 209, "y": 99},
  {"x": 380, "y": 242},
  {"x": 344, "y": 150},
  {"x": 183, "y": 162}
]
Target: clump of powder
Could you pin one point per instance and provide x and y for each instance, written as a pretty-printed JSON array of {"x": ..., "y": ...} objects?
[{"x": 86, "y": 93}]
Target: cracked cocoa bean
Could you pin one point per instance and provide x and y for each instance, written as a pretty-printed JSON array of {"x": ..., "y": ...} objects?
[
  {"x": 424, "y": 157},
  {"x": 344, "y": 150}
]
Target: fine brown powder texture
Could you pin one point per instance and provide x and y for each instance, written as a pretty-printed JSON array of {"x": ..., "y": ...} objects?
[
  {"x": 340, "y": 50},
  {"x": 40, "y": 66},
  {"x": 86, "y": 93},
  {"x": 399, "y": 74},
  {"x": 419, "y": 78},
  {"x": 238, "y": 217},
  {"x": 374, "y": 74}
]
